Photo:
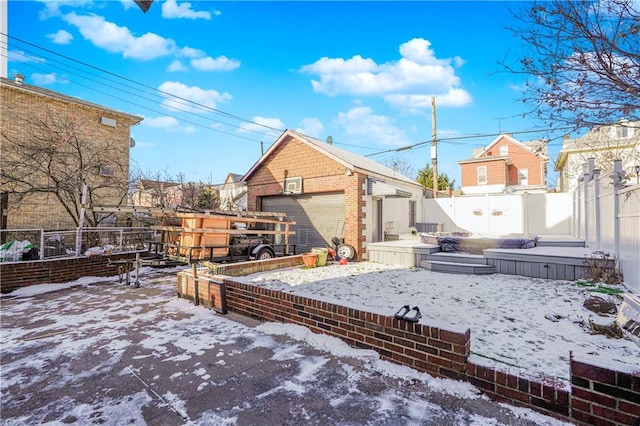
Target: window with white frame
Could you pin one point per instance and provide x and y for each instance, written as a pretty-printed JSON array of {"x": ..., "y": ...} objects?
[
  {"x": 523, "y": 177},
  {"x": 621, "y": 132},
  {"x": 482, "y": 175},
  {"x": 504, "y": 151}
]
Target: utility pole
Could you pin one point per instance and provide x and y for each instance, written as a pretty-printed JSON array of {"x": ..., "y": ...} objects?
[{"x": 434, "y": 148}]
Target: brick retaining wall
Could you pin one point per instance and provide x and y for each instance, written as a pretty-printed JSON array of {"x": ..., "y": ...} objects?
[
  {"x": 597, "y": 395},
  {"x": 440, "y": 352},
  {"x": 602, "y": 396},
  {"x": 22, "y": 274}
]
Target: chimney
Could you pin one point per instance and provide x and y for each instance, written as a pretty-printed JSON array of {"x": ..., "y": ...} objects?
[{"x": 19, "y": 78}]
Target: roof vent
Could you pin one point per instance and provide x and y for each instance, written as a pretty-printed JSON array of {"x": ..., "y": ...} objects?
[
  {"x": 19, "y": 78},
  {"x": 330, "y": 140}
]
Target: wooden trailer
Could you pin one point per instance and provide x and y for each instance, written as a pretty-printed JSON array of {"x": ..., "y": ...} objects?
[
  {"x": 223, "y": 236},
  {"x": 216, "y": 236}
]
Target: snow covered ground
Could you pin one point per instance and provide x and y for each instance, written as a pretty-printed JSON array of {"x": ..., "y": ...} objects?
[
  {"x": 111, "y": 354},
  {"x": 518, "y": 324}
]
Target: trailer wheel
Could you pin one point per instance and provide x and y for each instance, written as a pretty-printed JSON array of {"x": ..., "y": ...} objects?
[
  {"x": 346, "y": 251},
  {"x": 265, "y": 253}
]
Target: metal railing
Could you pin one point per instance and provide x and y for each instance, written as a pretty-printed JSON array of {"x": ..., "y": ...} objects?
[{"x": 74, "y": 243}]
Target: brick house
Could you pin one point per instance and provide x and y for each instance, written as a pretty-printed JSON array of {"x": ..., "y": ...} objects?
[
  {"x": 506, "y": 166},
  {"x": 604, "y": 144},
  {"x": 95, "y": 131},
  {"x": 331, "y": 192}
]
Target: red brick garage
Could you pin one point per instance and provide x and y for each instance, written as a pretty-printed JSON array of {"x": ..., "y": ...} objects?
[{"x": 321, "y": 186}]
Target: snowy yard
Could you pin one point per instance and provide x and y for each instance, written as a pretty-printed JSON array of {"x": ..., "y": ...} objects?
[
  {"x": 106, "y": 353},
  {"x": 518, "y": 324}
]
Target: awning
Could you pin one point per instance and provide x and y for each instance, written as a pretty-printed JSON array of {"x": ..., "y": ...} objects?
[{"x": 378, "y": 188}]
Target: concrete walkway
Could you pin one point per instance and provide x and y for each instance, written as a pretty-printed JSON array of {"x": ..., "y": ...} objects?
[{"x": 106, "y": 353}]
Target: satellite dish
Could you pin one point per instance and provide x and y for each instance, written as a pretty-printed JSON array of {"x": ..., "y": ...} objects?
[
  {"x": 132, "y": 142},
  {"x": 330, "y": 140}
]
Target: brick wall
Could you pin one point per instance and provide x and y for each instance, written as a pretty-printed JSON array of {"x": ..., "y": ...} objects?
[
  {"x": 496, "y": 172},
  {"x": 548, "y": 397},
  {"x": 109, "y": 146},
  {"x": 320, "y": 174},
  {"x": 597, "y": 395},
  {"x": 22, "y": 274},
  {"x": 499, "y": 173},
  {"x": 602, "y": 396},
  {"x": 440, "y": 352}
]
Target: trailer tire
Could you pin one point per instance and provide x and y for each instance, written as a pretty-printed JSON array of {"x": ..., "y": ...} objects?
[{"x": 265, "y": 253}]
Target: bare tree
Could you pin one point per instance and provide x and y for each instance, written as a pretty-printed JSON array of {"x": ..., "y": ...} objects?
[
  {"x": 161, "y": 189},
  {"x": 403, "y": 166},
  {"x": 582, "y": 60},
  {"x": 52, "y": 155}
]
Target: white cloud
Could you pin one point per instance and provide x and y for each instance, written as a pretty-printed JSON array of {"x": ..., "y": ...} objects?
[
  {"x": 172, "y": 10},
  {"x": 311, "y": 127},
  {"x": 117, "y": 39},
  {"x": 114, "y": 38},
  {"x": 128, "y": 4},
  {"x": 221, "y": 63},
  {"x": 167, "y": 123},
  {"x": 176, "y": 65},
  {"x": 161, "y": 122},
  {"x": 274, "y": 125},
  {"x": 60, "y": 37},
  {"x": 43, "y": 79},
  {"x": 208, "y": 98},
  {"x": 455, "y": 98},
  {"x": 190, "y": 52},
  {"x": 52, "y": 8},
  {"x": 361, "y": 123},
  {"x": 417, "y": 75}
]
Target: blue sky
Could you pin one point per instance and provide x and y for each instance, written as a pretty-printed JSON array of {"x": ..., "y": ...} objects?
[{"x": 362, "y": 72}]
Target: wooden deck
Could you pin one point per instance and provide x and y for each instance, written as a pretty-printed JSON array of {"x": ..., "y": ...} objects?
[
  {"x": 552, "y": 262},
  {"x": 559, "y": 258}
]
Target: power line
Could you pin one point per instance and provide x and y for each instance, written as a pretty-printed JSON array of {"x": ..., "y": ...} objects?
[
  {"x": 149, "y": 90},
  {"x": 152, "y": 109},
  {"x": 206, "y": 107},
  {"x": 454, "y": 138}
]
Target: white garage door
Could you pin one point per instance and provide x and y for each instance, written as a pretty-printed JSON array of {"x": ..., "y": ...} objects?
[{"x": 319, "y": 217}]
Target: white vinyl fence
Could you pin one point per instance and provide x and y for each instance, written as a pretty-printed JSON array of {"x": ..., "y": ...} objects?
[
  {"x": 601, "y": 211},
  {"x": 502, "y": 214},
  {"x": 608, "y": 218}
]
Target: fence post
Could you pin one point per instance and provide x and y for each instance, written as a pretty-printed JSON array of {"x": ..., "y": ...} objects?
[
  {"x": 596, "y": 204},
  {"x": 617, "y": 178},
  {"x": 42, "y": 244},
  {"x": 78, "y": 241}
]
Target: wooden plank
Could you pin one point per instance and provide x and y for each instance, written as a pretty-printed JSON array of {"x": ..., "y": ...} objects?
[{"x": 221, "y": 230}]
